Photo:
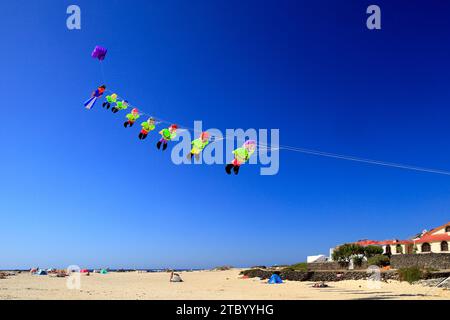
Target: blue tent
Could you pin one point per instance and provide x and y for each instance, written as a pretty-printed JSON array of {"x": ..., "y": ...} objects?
[
  {"x": 41, "y": 273},
  {"x": 275, "y": 279}
]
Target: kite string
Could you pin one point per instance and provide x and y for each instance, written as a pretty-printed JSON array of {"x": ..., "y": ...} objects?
[
  {"x": 262, "y": 146},
  {"x": 365, "y": 160},
  {"x": 102, "y": 70}
]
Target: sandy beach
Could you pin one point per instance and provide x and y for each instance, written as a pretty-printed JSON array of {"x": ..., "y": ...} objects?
[{"x": 202, "y": 285}]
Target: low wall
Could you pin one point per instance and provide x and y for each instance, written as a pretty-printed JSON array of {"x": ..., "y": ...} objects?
[
  {"x": 332, "y": 265},
  {"x": 425, "y": 260},
  {"x": 318, "y": 275},
  {"x": 332, "y": 275}
]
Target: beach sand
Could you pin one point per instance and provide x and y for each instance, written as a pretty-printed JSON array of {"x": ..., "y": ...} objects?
[{"x": 203, "y": 285}]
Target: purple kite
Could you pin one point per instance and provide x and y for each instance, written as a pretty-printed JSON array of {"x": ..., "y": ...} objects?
[{"x": 99, "y": 53}]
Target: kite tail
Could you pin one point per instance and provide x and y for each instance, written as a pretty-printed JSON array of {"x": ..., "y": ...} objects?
[{"x": 90, "y": 103}]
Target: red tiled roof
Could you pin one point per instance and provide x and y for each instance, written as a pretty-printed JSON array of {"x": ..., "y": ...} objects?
[
  {"x": 434, "y": 238},
  {"x": 396, "y": 242},
  {"x": 384, "y": 242},
  {"x": 367, "y": 242},
  {"x": 436, "y": 229},
  {"x": 426, "y": 237}
]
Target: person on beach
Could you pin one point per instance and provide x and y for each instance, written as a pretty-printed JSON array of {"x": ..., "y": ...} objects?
[
  {"x": 147, "y": 126},
  {"x": 198, "y": 145},
  {"x": 94, "y": 96},
  {"x": 167, "y": 134},
  {"x": 132, "y": 117},
  {"x": 120, "y": 105},
  {"x": 241, "y": 155},
  {"x": 110, "y": 99},
  {"x": 175, "y": 277}
]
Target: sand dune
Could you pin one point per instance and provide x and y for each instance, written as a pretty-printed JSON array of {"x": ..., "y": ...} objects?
[{"x": 202, "y": 285}]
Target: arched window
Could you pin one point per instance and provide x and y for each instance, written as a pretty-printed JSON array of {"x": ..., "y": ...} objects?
[
  {"x": 398, "y": 248},
  {"x": 447, "y": 229},
  {"x": 426, "y": 247},
  {"x": 444, "y": 246}
]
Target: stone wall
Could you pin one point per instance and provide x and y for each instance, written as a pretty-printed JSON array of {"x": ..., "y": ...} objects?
[
  {"x": 318, "y": 275},
  {"x": 332, "y": 265},
  {"x": 426, "y": 260},
  {"x": 331, "y": 275}
]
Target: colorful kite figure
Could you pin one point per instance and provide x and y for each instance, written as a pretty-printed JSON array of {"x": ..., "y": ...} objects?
[
  {"x": 198, "y": 145},
  {"x": 110, "y": 99},
  {"x": 167, "y": 134},
  {"x": 94, "y": 96},
  {"x": 120, "y": 105},
  {"x": 241, "y": 155},
  {"x": 99, "y": 53},
  {"x": 147, "y": 126},
  {"x": 132, "y": 117}
]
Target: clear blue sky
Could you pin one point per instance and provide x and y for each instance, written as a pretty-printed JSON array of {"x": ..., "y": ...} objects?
[{"x": 77, "y": 188}]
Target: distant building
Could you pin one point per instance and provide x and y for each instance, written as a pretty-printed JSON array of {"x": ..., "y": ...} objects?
[
  {"x": 435, "y": 240},
  {"x": 315, "y": 259}
]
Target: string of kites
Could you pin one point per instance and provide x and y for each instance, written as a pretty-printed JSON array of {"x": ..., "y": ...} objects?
[{"x": 241, "y": 155}]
